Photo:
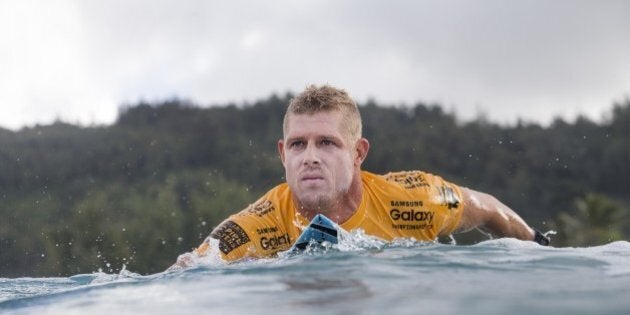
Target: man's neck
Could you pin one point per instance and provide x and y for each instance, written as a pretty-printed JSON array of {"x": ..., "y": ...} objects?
[{"x": 343, "y": 207}]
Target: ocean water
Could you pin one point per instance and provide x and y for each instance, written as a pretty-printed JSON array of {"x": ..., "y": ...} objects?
[{"x": 504, "y": 276}]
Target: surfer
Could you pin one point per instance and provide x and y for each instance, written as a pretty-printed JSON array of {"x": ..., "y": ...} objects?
[{"x": 322, "y": 151}]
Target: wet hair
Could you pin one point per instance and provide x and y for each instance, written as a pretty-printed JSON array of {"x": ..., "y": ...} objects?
[{"x": 326, "y": 98}]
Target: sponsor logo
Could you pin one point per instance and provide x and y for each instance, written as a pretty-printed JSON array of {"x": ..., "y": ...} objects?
[
  {"x": 260, "y": 209},
  {"x": 409, "y": 180},
  {"x": 267, "y": 230},
  {"x": 275, "y": 242},
  {"x": 411, "y": 215},
  {"x": 406, "y": 203},
  {"x": 412, "y": 226},
  {"x": 230, "y": 236},
  {"x": 449, "y": 198}
]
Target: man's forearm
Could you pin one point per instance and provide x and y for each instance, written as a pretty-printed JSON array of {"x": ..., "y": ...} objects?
[
  {"x": 485, "y": 212},
  {"x": 506, "y": 223}
]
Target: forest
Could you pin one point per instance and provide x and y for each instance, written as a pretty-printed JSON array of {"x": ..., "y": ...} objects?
[{"x": 139, "y": 192}]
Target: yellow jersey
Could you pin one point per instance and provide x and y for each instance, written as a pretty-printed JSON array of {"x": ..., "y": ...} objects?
[{"x": 410, "y": 204}]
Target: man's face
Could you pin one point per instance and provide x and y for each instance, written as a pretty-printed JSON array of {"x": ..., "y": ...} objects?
[{"x": 318, "y": 160}]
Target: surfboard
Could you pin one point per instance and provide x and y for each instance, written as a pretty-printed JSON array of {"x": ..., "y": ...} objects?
[{"x": 320, "y": 229}]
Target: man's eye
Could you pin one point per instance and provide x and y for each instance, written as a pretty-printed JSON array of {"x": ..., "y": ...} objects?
[
  {"x": 327, "y": 142},
  {"x": 297, "y": 144}
]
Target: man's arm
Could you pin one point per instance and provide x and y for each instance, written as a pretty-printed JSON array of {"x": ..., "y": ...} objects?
[
  {"x": 190, "y": 259},
  {"x": 254, "y": 232},
  {"x": 485, "y": 212}
]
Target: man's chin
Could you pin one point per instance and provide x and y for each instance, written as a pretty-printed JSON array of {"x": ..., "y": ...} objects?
[{"x": 315, "y": 203}]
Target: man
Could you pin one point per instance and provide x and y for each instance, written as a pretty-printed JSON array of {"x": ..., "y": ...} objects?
[{"x": 322, "y": 152}]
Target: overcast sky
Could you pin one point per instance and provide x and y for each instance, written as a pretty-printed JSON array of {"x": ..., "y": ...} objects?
[{"x": 78, "y": 61}]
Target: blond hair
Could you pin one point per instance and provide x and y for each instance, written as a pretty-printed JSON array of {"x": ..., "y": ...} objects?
[{"x": 326, "y": 98}]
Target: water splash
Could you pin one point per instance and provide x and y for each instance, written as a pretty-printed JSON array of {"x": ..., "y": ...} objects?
[{"x": 361, "y": 274}]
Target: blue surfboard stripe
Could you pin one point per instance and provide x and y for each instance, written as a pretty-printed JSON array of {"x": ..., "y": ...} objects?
[{"x": 319, "y": 230}]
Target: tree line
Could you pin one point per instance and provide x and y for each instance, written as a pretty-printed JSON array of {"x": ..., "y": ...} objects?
[{"x": 153, "y": 184}]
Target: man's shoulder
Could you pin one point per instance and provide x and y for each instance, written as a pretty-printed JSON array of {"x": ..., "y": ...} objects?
[
  {"x": 418, "y": 184},
  {"x": 406, "y": 179},
  {"x": 274, "y": 200}
]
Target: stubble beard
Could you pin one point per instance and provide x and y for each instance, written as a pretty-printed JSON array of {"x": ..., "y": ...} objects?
[{"x": 324, "y": 202}]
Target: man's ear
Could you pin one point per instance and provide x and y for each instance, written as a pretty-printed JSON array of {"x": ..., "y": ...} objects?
[
  {"x": 362, "y": 148},
  {"x": 281, "y": 150}
]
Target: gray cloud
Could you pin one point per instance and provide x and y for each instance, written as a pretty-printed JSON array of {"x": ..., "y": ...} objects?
[{"x": 80, "y": 60}]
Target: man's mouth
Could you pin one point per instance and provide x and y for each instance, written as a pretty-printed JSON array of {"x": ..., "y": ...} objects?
[{"x": 312, "y": 178}]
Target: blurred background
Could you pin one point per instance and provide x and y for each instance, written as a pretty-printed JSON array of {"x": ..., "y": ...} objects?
[{"x": 128, "y": 130}]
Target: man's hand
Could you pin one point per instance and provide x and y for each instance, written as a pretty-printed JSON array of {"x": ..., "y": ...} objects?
[
  {"x": 191, "y": 259},
  {"x": 184, "y": 261},
  {"x": 541, "y": 239}
]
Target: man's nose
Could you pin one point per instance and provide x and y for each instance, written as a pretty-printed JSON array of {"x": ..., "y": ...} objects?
[{"x": 311, "y": 155}]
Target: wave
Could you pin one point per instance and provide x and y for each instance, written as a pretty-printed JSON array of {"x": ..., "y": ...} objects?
[{"x": 378, "y": 274}]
